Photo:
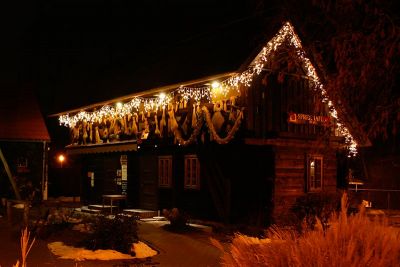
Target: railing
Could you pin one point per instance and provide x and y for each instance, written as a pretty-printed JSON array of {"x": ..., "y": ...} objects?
[{"x": 379, "y": 198}]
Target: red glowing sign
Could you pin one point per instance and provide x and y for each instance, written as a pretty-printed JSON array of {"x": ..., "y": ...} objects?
[{"x": 299, "y": 118}]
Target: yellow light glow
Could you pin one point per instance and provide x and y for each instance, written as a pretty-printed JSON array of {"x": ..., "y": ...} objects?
[
  {"x": 215, "y": 85},
  {"x": 162, "y": 96},
  {"x": 119, "y": 105},
  {"x": 61, "y": 158}
]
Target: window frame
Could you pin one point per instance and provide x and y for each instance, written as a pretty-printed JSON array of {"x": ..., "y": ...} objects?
[
  {"x": 165, "y": 171},
  {"x": 311, "y": 174},
  {"x": 191, "y": 172}
]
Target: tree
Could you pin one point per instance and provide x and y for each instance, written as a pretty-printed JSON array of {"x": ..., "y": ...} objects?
[{"x": 356, "y": 43}]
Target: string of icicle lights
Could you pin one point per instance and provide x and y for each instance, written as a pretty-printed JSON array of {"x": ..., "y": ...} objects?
[{"x": 230, "y": 85}]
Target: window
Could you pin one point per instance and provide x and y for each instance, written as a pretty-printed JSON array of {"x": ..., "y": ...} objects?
[
  {"x": 22, "y": 165},
  {"x": 165, "y": 171},
  {"x": 22, "y": 162},
  {"x": 192, "y": 172},
  {"x": 314, "y": 173}
]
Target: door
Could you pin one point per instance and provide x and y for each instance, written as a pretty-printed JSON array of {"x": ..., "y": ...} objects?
[{"x": 148, "y": 182}]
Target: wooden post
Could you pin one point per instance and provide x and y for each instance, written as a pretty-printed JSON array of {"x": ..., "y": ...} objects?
[
  {"x": 26, "y": 213},
  {"x": 44, "y": 173},
  {"x": 8, "y": 171},
  {"x": 9, "y": 211}
]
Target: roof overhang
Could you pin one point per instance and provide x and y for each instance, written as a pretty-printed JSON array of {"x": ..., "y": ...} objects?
[
  {"x": 17, "y": 140},
  {"x": 124, "y": 146},
  {"x": 149, "y": 92}
]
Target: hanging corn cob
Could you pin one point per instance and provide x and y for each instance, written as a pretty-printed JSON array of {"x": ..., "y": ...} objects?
[
  {"x": 90, "y": 133},
  {"x": 217, "y": 118},
  {"x": 97, "y": 134},
  {"x": 134, "y": 126},
  {"x": 194, "y": 117},
  {"x": 162, "y": 122},
  {"x": 157, "y": 131}
]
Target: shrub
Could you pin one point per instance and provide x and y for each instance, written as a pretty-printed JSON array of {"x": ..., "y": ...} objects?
[
  {"x": 118, "y": 233},
  {"x": 51, "y": 221},
  {"x": 350, "y": 240},
  {"x": 178, "y": 220},
  {"x": 316, "y": 206}
]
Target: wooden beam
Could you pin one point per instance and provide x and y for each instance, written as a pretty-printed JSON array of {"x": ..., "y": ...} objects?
[{"x": 8, "y": 171}]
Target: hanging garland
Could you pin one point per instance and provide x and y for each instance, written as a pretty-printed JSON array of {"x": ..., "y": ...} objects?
[
  {"x": 205, "y": 115},
  {"x": 192, "y": 138},
  {"x": 231, "y": 133}
]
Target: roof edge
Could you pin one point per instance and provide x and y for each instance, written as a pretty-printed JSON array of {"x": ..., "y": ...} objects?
[{"x": 147, "y": 92}]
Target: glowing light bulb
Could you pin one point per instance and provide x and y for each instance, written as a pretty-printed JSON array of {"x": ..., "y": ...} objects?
[
  {"x": 61, "y": 158},
  {"x": 215, "y": 85}
]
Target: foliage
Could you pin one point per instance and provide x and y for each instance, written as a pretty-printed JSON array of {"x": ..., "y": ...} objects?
[
  {"x": 28, "y": 191},
  {"x": 356, "y": 46},
  {"x": 52, "y": 220},
  {"x": 367, "y": 61},
  {"x": 352, "y": 241},
  {"x": 178, "y": 220},
  {"x": 316, "y": 206},
  {"x": 117, "y": 233},
  {"x": 26, "y": 246}
]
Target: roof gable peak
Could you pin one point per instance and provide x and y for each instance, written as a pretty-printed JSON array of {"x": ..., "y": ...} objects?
[{"x": 287, "y": 34}]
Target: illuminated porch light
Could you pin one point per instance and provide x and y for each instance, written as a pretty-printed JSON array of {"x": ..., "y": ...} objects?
[{"x": 61, "y": 159}]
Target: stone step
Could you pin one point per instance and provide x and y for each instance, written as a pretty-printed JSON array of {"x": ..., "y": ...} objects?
[
  {"x": 101, "y": 207},
  {"x": 142, "y": 214},
  {"x": 88, "y": 210}
]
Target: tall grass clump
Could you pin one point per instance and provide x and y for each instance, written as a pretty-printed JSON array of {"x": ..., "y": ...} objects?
[
  {"x": 348, "y": 241},
  {"x": 26, "y": 245}
]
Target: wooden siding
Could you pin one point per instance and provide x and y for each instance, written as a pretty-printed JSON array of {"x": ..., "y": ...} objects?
[
  {"x": 269, "y": 103},
  {"x": 291, "y": 175}
]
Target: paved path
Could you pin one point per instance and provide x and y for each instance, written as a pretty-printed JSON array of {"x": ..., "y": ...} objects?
[{"x": 192, "y": 249}]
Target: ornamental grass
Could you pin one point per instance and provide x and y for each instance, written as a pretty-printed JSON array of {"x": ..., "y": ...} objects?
[
  {"x": 26, "y": 245},
  {"x": 348, "y": 241}
]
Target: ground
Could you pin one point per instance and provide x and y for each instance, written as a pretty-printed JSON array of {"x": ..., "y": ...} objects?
[{"x": 172, "y": 247}]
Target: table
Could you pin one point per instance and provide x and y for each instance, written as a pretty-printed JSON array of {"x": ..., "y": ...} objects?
[
  {"x": 356, "y": 183},
  {"x": 113, "y": 198}
]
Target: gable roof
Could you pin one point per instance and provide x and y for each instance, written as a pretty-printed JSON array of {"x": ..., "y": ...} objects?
[
  {"x": 286, "y": 34},
  {"x": 20, "y": 117}
]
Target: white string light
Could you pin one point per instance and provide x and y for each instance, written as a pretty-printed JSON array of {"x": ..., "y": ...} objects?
[
  {"x": 197, "y": 93},
  {"x": 228, "y": 86}
]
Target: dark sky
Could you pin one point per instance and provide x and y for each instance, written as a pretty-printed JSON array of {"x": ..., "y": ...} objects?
[{"x": 74, "y": 53}]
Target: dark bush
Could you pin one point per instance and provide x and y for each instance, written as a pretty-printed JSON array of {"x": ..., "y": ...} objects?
[
  {"x": 118, "y": 233},
  {"x": 313, "y": 206},
  {"x": 178, "y": 220}
]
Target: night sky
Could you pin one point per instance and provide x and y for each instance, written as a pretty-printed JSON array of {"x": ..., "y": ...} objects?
[{"x": 73, "y": 53}]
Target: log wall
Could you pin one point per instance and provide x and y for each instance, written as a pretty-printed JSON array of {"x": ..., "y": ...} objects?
[{"x": 291, "y": 176}]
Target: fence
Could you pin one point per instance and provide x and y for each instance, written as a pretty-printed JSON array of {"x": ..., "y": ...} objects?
[{"x": 379, "y": 198}]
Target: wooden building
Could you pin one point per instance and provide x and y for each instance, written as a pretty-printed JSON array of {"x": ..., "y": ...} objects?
[
  {"x": 236, "y": 147},
  {"x": 24, "y": 141}
]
